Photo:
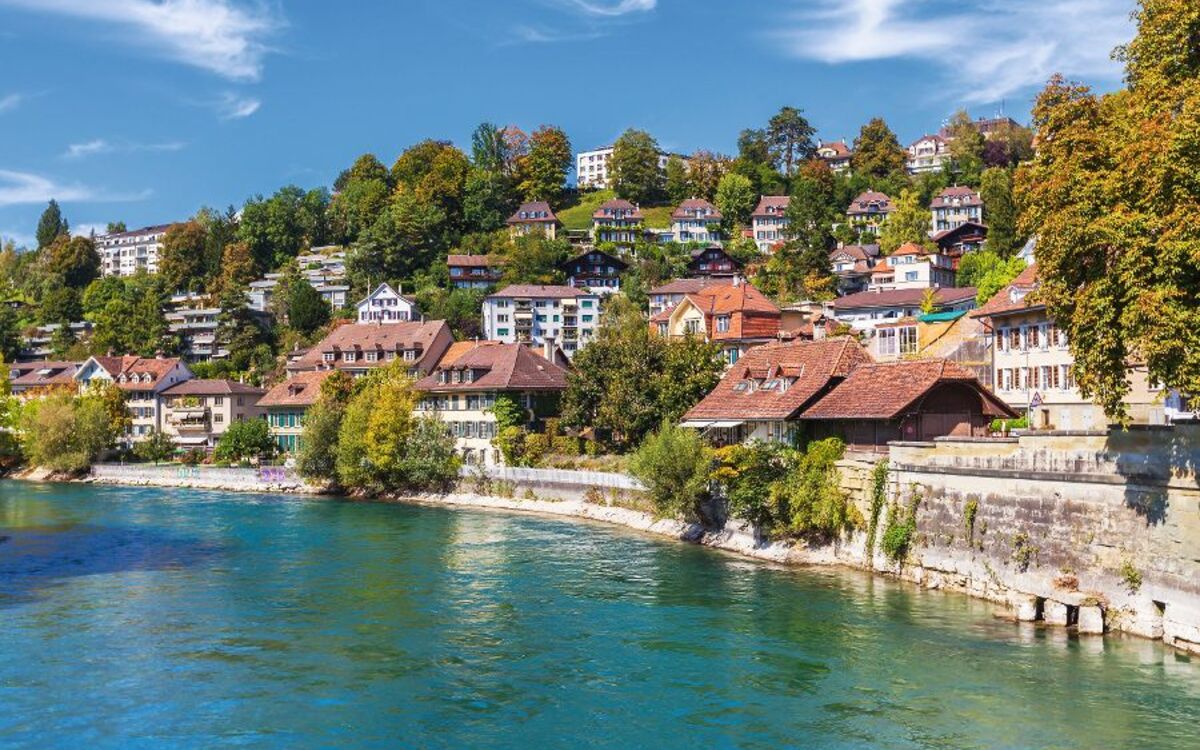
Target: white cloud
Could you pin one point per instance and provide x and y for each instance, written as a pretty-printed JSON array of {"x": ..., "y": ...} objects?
[
  {"x": 232, "y": 106},
  {"x": 10, "y": 102},
  {"x": 985, "y": 49},
  {"x": 102, "y": 146},
  {"x": 610, "y": 9},
  {"x": 221, "y": 36},
  {"x": 18, "y": 188},
  {"x": 20, "y": 239}
]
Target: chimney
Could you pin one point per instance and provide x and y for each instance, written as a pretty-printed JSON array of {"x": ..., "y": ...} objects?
[{"x": 548, "y": 348}]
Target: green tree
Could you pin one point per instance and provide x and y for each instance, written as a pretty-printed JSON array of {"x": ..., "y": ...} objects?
[
  {"x": 433, "y": 174},
  {"x": 64, "y": 432},
  {"x": 678, "y": 187},
  {"x": 877, "y": 152},
  {"x": 791, "y": 139},
  {"x": 705, "y": 170},
  {"x": 489, "y": 200},
  {"x": 237, "y": 268},
  {"x": 51, "y": 225},
  {"x": 307, "y": 309},
  {"x": 544, "y": 170},
  {"x": 319, "y": 444},
  {"x": 908, "y": 223},
  {"x": 278, "y": 228},
  {"x": 406, "y": 237},
  {"x": 534, "y": 259},
  {"x": 238, "y": 331},
  {"x": 987, "y": 271},
  {"x": 736, "y": 200},
  {"x": 74, "y": 260},
  {"x": 999, "y": 211},
  {"x": 157, "y": 447},
  {"x": 181, "y": 257},
  {"x": 633, "y": 167},
  {"x": 674, "y": 465},
  {"x": 362, "y": 193},
  {"x": 966, "y": 149},
  {"x": 245, "y": 439},
  {"x": 114, "y": 227},
  {"x": 800, "y": 269}
]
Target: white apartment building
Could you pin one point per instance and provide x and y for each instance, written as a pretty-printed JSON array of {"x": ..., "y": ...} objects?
[
  {"x": 386, "y": 305},
  {"x": 912, "y": 267},
  {"x": 929, "y": 153},
  {"x": 535, "y": 315},
  {"x": 126, "y": 253},
  {"x": 768, "y": 222},
  {"x": 193, "y": 318},
  {"x": 696, "y": 220},
  {"x": 592, "y": 172},
  {"x": 143, "y": 379},
  {"x": 954, "y": 207}
]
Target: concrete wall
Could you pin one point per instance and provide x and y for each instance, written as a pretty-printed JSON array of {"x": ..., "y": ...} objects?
[{"x": 264, "y": 479}]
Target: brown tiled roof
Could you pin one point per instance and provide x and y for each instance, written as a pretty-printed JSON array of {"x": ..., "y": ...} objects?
[
  {"x": 28, "y": 375},
  {"x": 886, "y": 390},
  {"x": 839, "y": 148},
  {"x": 199, "y": 387},
  {"x": 727, "y": 298},
  {"x": 857, "y": 252},
  {"x": 901, "y": 297},
  {"x": 539, "y": 291},
  {"x": 618, "y": 203},
  {"x": 928, "y": 137},
  {"x": 814, "y": 366},
  {"x": 859, "y": 204},
  {"x": 131, "y": 366},
  {"x": 693, "y": 206},
  {"x": 497, "y": 366},
  {"x": 686, "y": 286},
  {"x": 909, "y": 248},
  {"x": 535, "y": 212},
  {"x": 964, "y": 195},
  {"x": 475, "y": 261},
  {"x": 301, "y": 389},
  {"x": 1002, "y": 301},
  {"x": 778, "y": 202},
  {"x": 378, "y": 337}
]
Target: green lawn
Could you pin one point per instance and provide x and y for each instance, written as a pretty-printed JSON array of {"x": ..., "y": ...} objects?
[{"x": 579, "y": 216}]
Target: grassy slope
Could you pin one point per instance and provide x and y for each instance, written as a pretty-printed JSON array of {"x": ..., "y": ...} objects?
[{"x": 579, "y": 216}]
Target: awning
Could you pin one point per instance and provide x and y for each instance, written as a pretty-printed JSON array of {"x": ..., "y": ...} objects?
[
  {"x": 705, "y": 424},
  {"x": 203, "y": 440}
]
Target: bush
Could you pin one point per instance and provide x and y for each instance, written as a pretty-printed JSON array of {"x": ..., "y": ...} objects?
[
  {"x": 1002, "y": 425},
  {"x": 511, "y": 443},
  {"x": 901, "y": 528},
  {"x": 157, "y": 447},
  {"x": 194, "y": 457},
  {"x": 817, "y": 505},
  {"x": 879, "y": 479},
  {"x": 241, "y": 441},
  {"x": 674, "y": 464},
  {"x": 748, "y": 472},
  {"x": 63, "y": 432}
]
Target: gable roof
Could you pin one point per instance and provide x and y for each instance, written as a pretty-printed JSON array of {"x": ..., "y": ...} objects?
[
  {"x": 364, "y": 337},
  {"x": 224, "y": 387},
  {"x": 618, "y": 204},
  {"x": 612, "y": 260},
  {"x": 887, "y": 390},
  {"x": 862, "y": 204},
  {"x": 956, "y": 195},
  {"x": 815, "y": 366},
  {"x": 689, "y": 209},
  {"x": 475, "y": 261},
  {"x": 301, "y": 389},
  {"x": 138, "y": 372},
  {"x": 857, "y": 252},
  {"x": 903, "y": 297},
  {"x": 839, "y": 148},
  {"x": 27, "y": 375},
  {"x": 777, "y": 202},
  {"x": 685, "y": 286},
  {"x": 540, "y": 291},
  {"x": 496, "y": 366},
  {"x": 728, "y": 298},
  {"x": 533, "y": 212}
]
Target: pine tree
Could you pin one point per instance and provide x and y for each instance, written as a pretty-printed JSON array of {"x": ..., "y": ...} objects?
[{"x": 50, "y": 225}]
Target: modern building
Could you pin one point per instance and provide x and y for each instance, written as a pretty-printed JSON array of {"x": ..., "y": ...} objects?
[
  {"x": 143, "y": 379},
  {"x": 536, "y": 315},
  {"x": 126, "y": 253},
  {"x": 192, "y": 318},
  {"x": 617, "y": 221},
  {"x": 197, "y": 412},
  {"x": 852, "y": 264},
  {"x": 869, "y": 210},
  {"x": 286, "y": 405},
  {"x": 929, "y": 153},
  {"x": 955, "y": 206},
  {"x": 332, "y": 289},
  {"x": 665, "y": 296},
  {"x": 713, "y": 262},
  {"x": 386, "y": 305},
  {"x": 696, "y": 220},
  {"x": 836, "y": 154},
  {"x": 357, "y": 348},
  {"x": 912, "y": 266},
  {"x": 768, "y": 223},
  {"x": 534, "y": 218},
  {"x": 594, "y": 270},
  {"x": 592, "y": 170},
  {"x": 38, "y": 343},
  {"x": 737, "y": 316},
  {"x": 474, "y": 271},
  {"x": 865, "y": 310},
  {"x": 472, "y": 375},
  {"x": 988, "y": 126}
]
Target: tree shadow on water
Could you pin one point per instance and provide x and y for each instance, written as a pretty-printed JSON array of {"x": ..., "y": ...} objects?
[{"x": 33, "y": 558}]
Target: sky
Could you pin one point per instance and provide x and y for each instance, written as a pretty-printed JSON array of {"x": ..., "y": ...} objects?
[{"x": 143, "y": 111}]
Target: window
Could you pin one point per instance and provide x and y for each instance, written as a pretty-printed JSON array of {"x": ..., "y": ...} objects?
[
  {"x": 501, "y": 331},
  {"x": 372, "y": 356},
  {"x": 722, "y": 324},
  {"x": 691, "y": 326},
  {"x": 886, "y": 343},
  {"x": 218, "y": 418},
  {"x": 908, "y": 340},
  {"x": 731, "y": 356},
  {"x": 410, "y": 355},
  {"x": 348, "y": 357},
  {"x": 910, "y": 275},
  {"x": 219, "y": 401}
]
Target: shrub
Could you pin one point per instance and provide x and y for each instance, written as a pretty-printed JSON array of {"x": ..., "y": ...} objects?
[
  {"x": 1131, "y": 575},
  {"x": 970, "y": 510},
  {"x": 157, "y": 447},
  {"x": 879, "y": 478},
  {"x": 674, "y": 464},
  {"x": 67, "y": 433},
  {"x": 241, "y": 441},
  {"x": 901, "y": 528},
  {"x": 193, "y": 457},
  {"x": 511, "y": 443},
  {"x": 747, "y": 472}
]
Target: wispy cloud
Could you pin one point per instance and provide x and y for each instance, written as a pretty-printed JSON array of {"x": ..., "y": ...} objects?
[
  {"x": 103, "y": 146},
  {"x": 222, "y": 36},
  {"x": 579, "y": 20},
  {"x": 17, "y": 188},
  {"x": 231, "y": 106},
  {"x": 985, "y": 49},
  {"x": 609, "y": 9},
  {"x": 10, "y": 102}
]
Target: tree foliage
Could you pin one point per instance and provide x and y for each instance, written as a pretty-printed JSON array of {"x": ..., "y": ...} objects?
[
  {"x": 800, "y": 269},
  {"x": 633, "y": 167},
  {"x": 966, "y": 149},
  {"x": 1000, "y": 212},
  {"x": 543, "y": 171},
  {"x": 790, "y": 137},
  {"x": 51, "y": 225},
  {"x": 736, "y": 200},
  {"x": 877, "y": 151},
  {"x": 181, "y": 257},
  {"x": 245, "y": 439},
  {"x": 674, "y": 464},
  {"x": 909, "y": 223}
]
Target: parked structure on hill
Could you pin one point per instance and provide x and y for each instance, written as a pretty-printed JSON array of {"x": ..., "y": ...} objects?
[
  {"x": 768, "y": 223},
  {"x": 286, "y": 405},
  {"x": 665, "y": 296},
  {"x": 474, "y": 271},
  {"x": 713, "y": 262},
  {"x": 869, "y": 210},
  {"x": 386, "y": 305},
  {"x": 534, "y": 217},
  {"x": 736, "y": 315},
  {"x": 836, "y": 154},
  {"x": 617, "y": 221},
  {"x": 929, "y": 153},
  {"x": 595, "y": 271},
  {"x": 852, "y": 264},
  {"x": 696, "y": 220},
  {"x": 912, "y": 267},
  {"x": 592, "y": 167},
  {"x": 954, "y": 206},
  {"x": 357, "y": 348},
  {"x": 143, "y": 379}
]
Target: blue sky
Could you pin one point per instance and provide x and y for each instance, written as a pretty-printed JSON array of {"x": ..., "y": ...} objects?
[{"x": 145, "y": 110}]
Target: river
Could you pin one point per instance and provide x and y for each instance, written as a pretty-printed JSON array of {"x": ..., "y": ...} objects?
[{"x": 138, "y": 618}]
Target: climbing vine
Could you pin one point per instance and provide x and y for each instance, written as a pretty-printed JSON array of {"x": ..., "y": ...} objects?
[{"x": 879, "y": 477}]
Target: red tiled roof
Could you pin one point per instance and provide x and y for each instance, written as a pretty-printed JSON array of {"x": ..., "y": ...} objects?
[
  {"x": 935, "y": 138},
  {"x": 27, "y": 375},
  {"x": 134, "y": 369},
  {"x": 725, "y": 298},
  {"x": 813, "y": 366},
  {"x": 377, "y": 337},
  {"x": 199, "y": 387},
  {"x": 909, "y": 248},
  {"x": 696, "y": 208},
  {"x": 886, "y": 390},
  {"x": 777, "y": 202},
  {"x": 859, "y": 205},
  {"x": 839, "y": 148},
  {"x": 497, "y": 366},
  {"x": 301, "y": 389},
  {"x": 857, "y": 252},
  {"x": 686, "y": 286},
  {"x": 475, "y": 261},
  {"x": 534, "y": 212},
  {"x": 964, "y": 196},
  {"x": 902, "y": 297},
  {"x": 539, "y": 291},
  {"x": 633, "y": 213}
]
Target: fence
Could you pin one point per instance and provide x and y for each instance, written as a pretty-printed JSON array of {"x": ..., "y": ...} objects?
[
  {"x": 556, "y": 477},
  {"x": 197, "y": 476}
]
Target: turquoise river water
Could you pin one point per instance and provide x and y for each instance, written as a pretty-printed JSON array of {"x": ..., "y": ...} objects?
[{"x": 139, "y": 618}]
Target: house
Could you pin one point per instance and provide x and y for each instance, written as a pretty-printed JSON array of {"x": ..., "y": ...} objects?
[
  {"x": 954, "y": 206},
  {"x": 29, "y": 379},
  {"x": 912, "y": 267},
  {"x": 869, "y": 210},
  {"x": 852, "y": 264},
  {"x": 356, "y": 348},
  {"x": 929, "y": 153},
  {"x": 988, "y": 126},
  {"x": 386, "y": 305},
  {"x": 768, "y": 223},
  {"x": 665, "y": 296},
  {"x": 832, "y": 388},
  {"x": 325, "y": 279},
  {"x": 713, "y": 262},
  {"x": 535, "y": 315},
  {"x": 1033, "y": 368},
  {"x": 592, "y": 172},
  {"x": 594, "y": 270},
  {"x": 472, "y": 375},
  {"x": 534, "y": 217},
  {"x": 142, "y": 379},
  {"x": 474, "y": 271},
  {"x": 964, "y": 238},
  {"x": 197, "y": 412},
  {"x": 737, "y": 316},
  {"x": 617, "y": 221},
  {"x": 286, "y": 405},
  {"x": 836, "y": 154},
  {"x": 865, "y": 310},
  {"x": 126, "y": 253},
  {"x": 696, "y": 220}
]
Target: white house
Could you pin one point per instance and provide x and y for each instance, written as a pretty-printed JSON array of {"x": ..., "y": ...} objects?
[
  {"x": 142, "y": 379},
  {"x": 954, "y": 207},
  {"x": 912, "y": 267},
  {"x": 768, "y": 222},
  {"x": 536, "y": 315},
  {"x": 929, "y": 153},
  {"x": 696, "y": 220},
  {"x": 386, "y": 305},
  {"x": 865, "y": 310}
]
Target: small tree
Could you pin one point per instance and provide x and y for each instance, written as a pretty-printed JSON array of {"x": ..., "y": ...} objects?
[
  {"x": 429, "y": 461},
  {"x": 908, "y": 223},
  {"x": 674, "y": 464},
  {"x": 241, "y": 441},
  {"x": 157, "y": 447}
]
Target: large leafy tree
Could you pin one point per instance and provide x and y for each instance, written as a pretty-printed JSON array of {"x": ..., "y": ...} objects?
[
  {"x": 534, "y": 259},
  {"x": 790, "y": 137},
  {"x": 877, "y": 152},
  {"x": 307, "y": 309},
  {"x": 406, "y": 237},
  {"x": 74, "y": 260},
  {"x": 966, "y": 149},
  {"x": 279, "y": 227},
  {"x": 1111, "y": 196},
  {"x": 800, "y": 269},
  {"x": 544, "y": 169},
  {"x": 51, "y": 225},
  {"x": 434, "y": 174},
  {"x": 999, "y": 210},
  {"x": 754, "y": 162},
  {"x": 908, "y": 223},
  {"x": 489, "y": 200},
  {"x": 676, "y": 175},
  {"x": 181, "y": 258},
  {"x": 705, "y": 170},
  {"x": 633, "y": 167},
  {"x": 361, "y": 195},
  {"x": 735, "y": 200}
]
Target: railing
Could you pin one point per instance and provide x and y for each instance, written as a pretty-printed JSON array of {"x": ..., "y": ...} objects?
[
  {"x": 206, "y": 476},
  {"x": 566, "y": 477}
]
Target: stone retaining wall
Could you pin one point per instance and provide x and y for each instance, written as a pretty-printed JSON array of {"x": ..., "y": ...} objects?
[{"x": 263, "y": 479}]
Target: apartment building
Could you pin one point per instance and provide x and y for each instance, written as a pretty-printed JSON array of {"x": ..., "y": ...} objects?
[
  {"x": 954, "y": 207},
  {"x": 836, "y": 154},
  {"x": 143, "y": 379},
  {"x": 386, "y": 305},
  {"x": 592, "y": 170},
  {"x": 768, "y": 223},
  {"x": 193, "y": 319},
  {"x": 617, "y": 221},
  {"x": 536, "y": 315},
  {"x": 736, "y": 315},
  {"x": 912, "y": 267},
  {"x": 474, "y": 271},
  {"x": 534, "y": 218},
  {"x": 869, "y": 210},
  {"x": 929, "y": 153},
  {"x": 197, "y": 412},
  {"x": 38, "y": 343},
  {"x": 126, "y": 253},
  {"x": 357, "y": 348},
  {"x": 696, "y": 220},
  {"x": 852, "y": 264}
]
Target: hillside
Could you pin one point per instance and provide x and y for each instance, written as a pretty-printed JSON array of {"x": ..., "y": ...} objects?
[{"x": 579, "y": 216}]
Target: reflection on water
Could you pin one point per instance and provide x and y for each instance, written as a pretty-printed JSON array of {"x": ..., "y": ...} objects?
[{"x": 148, "y": 618}]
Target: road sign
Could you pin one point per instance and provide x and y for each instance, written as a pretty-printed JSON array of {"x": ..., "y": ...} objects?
[{"x": 1036, "y": 401}]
